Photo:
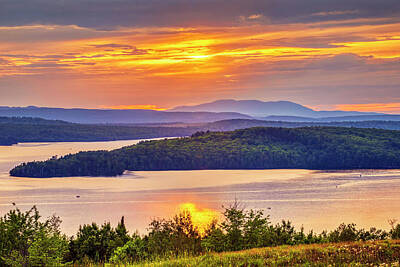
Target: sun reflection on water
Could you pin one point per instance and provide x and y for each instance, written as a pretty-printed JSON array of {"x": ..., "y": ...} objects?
[{"x": 201, "y": 217}]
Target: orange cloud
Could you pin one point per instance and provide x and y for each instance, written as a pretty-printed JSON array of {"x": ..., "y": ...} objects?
[
  {"x": 192, "y": 51},
  {"x": 168, "y": 65},
  {"x": 372, "y": 107}
]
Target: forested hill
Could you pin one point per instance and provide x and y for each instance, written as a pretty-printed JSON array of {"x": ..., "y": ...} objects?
[
  {"x": 30, "y": 120},
  {"x": 23, "y": 129},
  {"x": 19, "y": 130},
  {"x": 230, "y": 125},
  {"x": 253, "y": 148}
]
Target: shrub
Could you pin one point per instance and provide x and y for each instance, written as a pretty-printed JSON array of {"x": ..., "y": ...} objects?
[
  {"x": 177, "y": 236},
  {"x": 133, "y": 251},
  {"x": 97, "y": 243},
  {"x": 344, "y": 233},
  {"x": 25, "y": 240}
]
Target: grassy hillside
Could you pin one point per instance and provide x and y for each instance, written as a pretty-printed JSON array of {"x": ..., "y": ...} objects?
[
  {"x": 253, "y": 148},
  {"x": 374, "y": 253}
]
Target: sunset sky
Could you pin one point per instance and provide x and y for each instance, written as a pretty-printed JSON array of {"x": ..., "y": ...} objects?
[{"x": 336, "y": 54}]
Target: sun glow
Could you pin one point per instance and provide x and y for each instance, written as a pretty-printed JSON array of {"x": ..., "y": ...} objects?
[
  {"x": 166, "y": 66},
  {"x": 201, "y": 217},
  {"x": 150, "y": 107},
  {"x": 199, "y": 50},
  {"x": 371, "y": 107}
]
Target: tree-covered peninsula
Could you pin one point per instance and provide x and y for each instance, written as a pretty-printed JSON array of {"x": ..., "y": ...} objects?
[{"x": 252, "y": 148}]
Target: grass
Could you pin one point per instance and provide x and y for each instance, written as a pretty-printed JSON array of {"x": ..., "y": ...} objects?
[{"x": 377, "y": 253}]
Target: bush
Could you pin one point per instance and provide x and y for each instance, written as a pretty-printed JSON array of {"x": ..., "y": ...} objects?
[
  {"x": 214, "y": 239},
  {"x": 97, "y": 243},
  {"x": 133, "y": 251},
  {"x": 27, "y": 241},
  {"x": 344, "y": 233},
  {"x": 395, "y": 231},
  {"x": 177, "y": 236}
]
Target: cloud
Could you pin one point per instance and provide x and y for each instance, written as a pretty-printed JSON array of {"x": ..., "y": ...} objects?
[
  {"x": 255, "y": 16},
  {"x": 134, "y": 51},
  {"x": 4, "y": 61},
  {"x": 335, "y": 13},
  {"x": 26, "y": 56},
  {"x": 307, "y": 51},
  {"x": 124, "y": 46},
  {"x": 105, "y": 14},
  {"x": 47, "y": 65}
]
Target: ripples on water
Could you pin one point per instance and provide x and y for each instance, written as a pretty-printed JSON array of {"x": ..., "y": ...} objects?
[{"x": 316, "y": 200}]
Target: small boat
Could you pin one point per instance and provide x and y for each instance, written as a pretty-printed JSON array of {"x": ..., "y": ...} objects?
[{"x": 78, "y": 196}]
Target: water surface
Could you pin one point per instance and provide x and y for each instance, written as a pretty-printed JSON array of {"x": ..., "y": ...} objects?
[{"x": 313, "y": 199}]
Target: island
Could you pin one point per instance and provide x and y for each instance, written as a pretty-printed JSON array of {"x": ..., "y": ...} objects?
[{"x": 318, "y": 148}]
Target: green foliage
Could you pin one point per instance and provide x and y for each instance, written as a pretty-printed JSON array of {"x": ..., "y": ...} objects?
[
  {"x": 251, "y": 229},
  {"x": 395, "y": 231},
  {"x": 214, "y": 239},
  {"x": 349, "y": 232},
  {"x": 92, "y": 163},
  {"x": 345, "y": 232},
  {"x": 235, "y": 219},
  {"x": 372, "y": 234},
  {"x": 27, "y": 241},
  {"x": 95, "y": 243},
  {"x": 174, "y": 237},
  {"x": 47, "y": 249},
  {"x": 134, "y": 250},
  {"x": 254, "y": 148}
]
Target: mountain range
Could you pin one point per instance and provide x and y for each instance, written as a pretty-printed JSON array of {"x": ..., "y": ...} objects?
[
  {"x": 98, "y": 116},
  {"x": 259, "y": 109},
  {"x": 203, "y": 113}
]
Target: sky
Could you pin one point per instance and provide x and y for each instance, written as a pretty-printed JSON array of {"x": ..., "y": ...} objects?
[{"x": 157, "y": 54}]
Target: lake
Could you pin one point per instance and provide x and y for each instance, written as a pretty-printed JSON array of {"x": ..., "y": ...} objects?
[{"x": 313, "y": 199}]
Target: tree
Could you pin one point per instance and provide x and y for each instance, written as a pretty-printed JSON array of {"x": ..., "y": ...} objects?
[
  {"x": 95, "y": 243},
  {"x": 27, "y": 241}
]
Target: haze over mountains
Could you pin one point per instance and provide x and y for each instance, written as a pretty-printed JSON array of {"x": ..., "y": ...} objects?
[
  {"x": 207, "y": 112},
  {"x": 117, "y": 116},
  {"x": 258, "y": 108}
]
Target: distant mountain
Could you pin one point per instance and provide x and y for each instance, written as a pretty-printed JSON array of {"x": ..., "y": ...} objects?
[
  {"x": 258, "y": 108},
  {"x": 117, "y": 116},
  {"x": 288, "y": 118},
  {"x": 204, "y": 113}
]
